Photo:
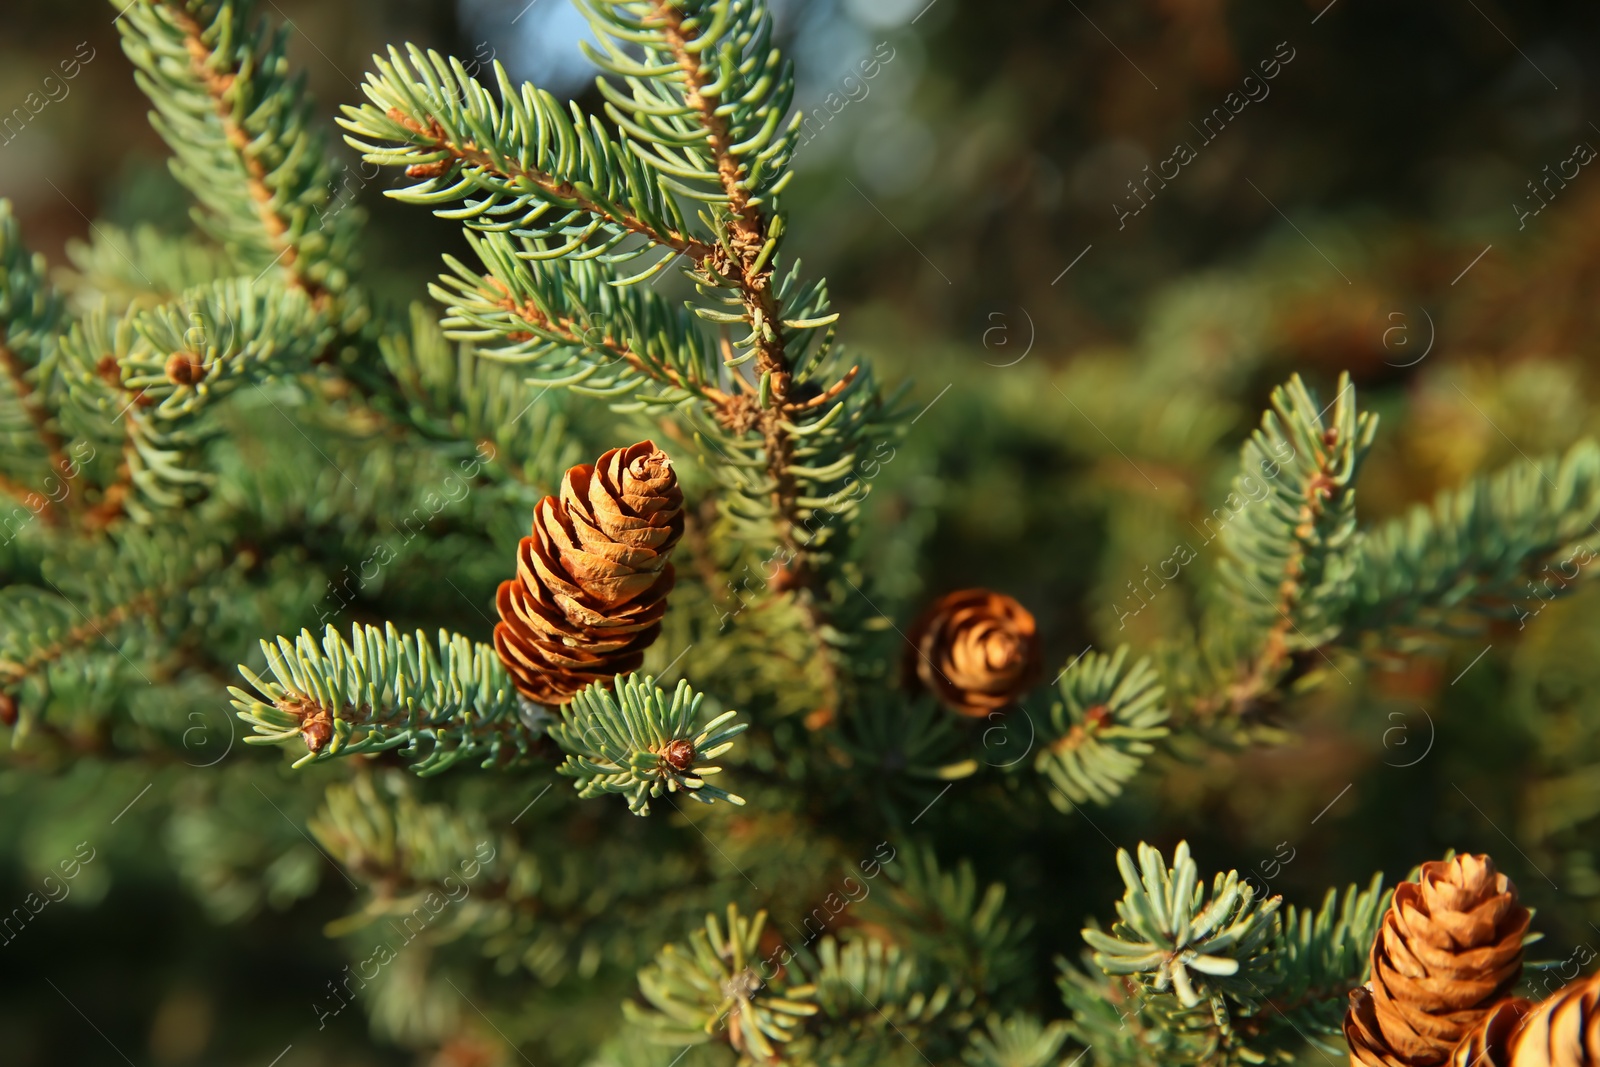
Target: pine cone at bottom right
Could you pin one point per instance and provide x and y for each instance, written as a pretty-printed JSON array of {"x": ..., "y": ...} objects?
[
  {"x": 1563, "y": 1030},
  {"x": 1448, "y": 951},
  {"x": 1489, "y": 1043}
]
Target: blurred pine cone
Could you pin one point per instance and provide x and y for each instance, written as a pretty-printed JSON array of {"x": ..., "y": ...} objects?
[
  {"x": 974, "y": 649},
  {"x": 1563, "y": 1030},
  {"x": 1448, "y": 950},
  {"x": 592, "y": 580},
  {"x": 1489, "y": 1043}
]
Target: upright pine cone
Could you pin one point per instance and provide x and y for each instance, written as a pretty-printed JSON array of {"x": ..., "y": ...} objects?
[
  {"x": 1448, "y": 950},
  {"x": 976, "y": 650},
  {"x": 592, "y": 580}
]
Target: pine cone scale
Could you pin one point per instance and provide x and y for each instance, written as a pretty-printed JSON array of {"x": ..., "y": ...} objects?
[{"x": 1363, "y": 1034}]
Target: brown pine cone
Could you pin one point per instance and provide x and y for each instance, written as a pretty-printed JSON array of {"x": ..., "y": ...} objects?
[
  {"x": 592, "y": 580},
  {"x": 1449, "y": 949},
  {"x": 1489, "y": 1043},
  {"x": 976, "y": 650},
  {"x": 1562, "y": 1030}
]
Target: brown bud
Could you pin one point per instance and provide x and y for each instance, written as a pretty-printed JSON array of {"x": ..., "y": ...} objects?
[
  {"x": 316, "y": 725},
  {"x": 679, "y": 755},
  {"x": 976, "y": 650},
  {"x": 184, "y": 368},
  {"x": 8, "y": 709}
]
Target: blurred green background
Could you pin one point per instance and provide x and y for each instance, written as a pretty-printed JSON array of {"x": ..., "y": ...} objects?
[{"x": 1090, "y": 370}]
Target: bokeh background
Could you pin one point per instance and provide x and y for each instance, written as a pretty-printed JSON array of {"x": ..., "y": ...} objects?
[{"x": 1093, "y": 348}]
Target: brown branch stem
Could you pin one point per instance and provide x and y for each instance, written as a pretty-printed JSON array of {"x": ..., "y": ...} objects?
[
  {"x": 470, "y": 154},
  {"x": 54, "y": 449},
  {"x": 727, "y": 407},
  {"x": 77, "y": 636},
  {"x": 750, "y": 232},
  {"x": 1262, "y": 676}
]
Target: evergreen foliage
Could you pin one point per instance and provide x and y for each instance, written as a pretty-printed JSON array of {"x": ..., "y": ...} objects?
[{"x": 211, "y": 437}]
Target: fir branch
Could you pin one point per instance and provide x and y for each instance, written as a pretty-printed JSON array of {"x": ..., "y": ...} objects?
[
  {"x": 522, "y": 152},
  {"x": 1176, "y": 937},
  {"x": 1296, "y": 546},
  {"x": 448, "y": 393},
  {"x": 1101, "y": 729},
  {"x": 118, "y": 269},
  {"x": 873, "y": 999},
  {"x": 748, "y": 250},
  {"x": 1291, "y": 535},
  {"x": 33, "y": 612},
  {"x": 537, "y": 184},
  {"x": 145, "y": 382},
  {"x": 712, "y": 986},
  {"x": 945, "y": 917},
  {"x": 135, "y": 590},
  {"x": 1017, "y": 1041},
  {"x": 438, "y": 704},
  {"x": 1223, "y": 978},
  {"x": 31, "y": 315},
  {"x": 1483, "y": 547},
  {"x": 1322, "y": 955},
  {"x": 635, "y": 743},
  {"x": 580, "y": 329},
  {"x": 54, "y": 449},
  {"x": 240, "y": 130}
]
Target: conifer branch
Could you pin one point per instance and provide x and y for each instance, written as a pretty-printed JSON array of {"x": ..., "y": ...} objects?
[
  {"x": 240, "y": 131},
  {"x": 749, "y": 253},
  {"x": 97, "y": 588},
  {"x": 570, "y": 331},
  {"x": 31, "y": 313},
  {"x": 1498, "y": 546},
  {"x": 1291, "y": 537},
  {"x": 523, "y": 166},
  {"x": 437, "y": 703},
  {"x": 712, "y": 986},
  {"x": 631, "y": 740},
  {"x": 147, "y": 381},
  {"x": 77, "y": 635},
  {"x": 490, "y": 171},
  {"x": 55, "y": 450},
  {"x": 1224, "y": 977},
  {"x": 1101, "y": 729},
  {"x": 522, "y": 152}
]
